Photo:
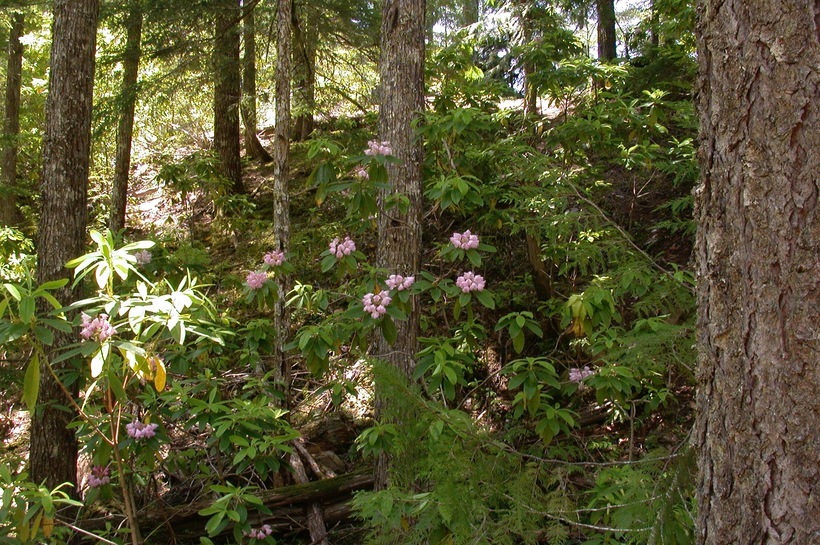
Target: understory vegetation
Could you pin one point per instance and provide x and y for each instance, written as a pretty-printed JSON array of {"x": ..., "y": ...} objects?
[{"x": 552, "y": 397}]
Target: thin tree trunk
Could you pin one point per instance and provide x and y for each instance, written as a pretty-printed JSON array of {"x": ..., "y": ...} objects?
[
  {"x": 227, "y": 91},
  {"x": 305, "y": 36},
  {"x": 759, "y": 289},
  {"x": 402, "y": 101},
  {"x": 607, "y": 51},
  {"x": 530, "y": 89},
  {"x": 281, "y": 212},
  {"x": 63, "y": 217},
  {"x": 249, "y": 81},
  {"x": 125, "y": 129},
  {"x": 11, "y": 124}
]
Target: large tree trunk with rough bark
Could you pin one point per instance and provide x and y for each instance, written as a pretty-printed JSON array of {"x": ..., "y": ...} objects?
[
  {"x": 11, "y": 123},
  {"x": 227, "y": 91},
  {"x": 253, "y": 147},
  {"x": 607, "y": 44},
  {"x": 759, "y": 288},
  {"x": 125, "y": 128},
  {"x": 281, "y": 151},
  {"x": 305, "y": 36},
  {"x": 63, "y": 216},
  {"x": 402, "y": 101}
]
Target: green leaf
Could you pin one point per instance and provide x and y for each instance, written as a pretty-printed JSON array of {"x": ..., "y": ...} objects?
[
  {"x": 388, "y": 330},
  {"x": 44, "y": 335},
  {"x": 27, "y": 309},
  {"x": 13, "y": 290},
  {"x": 31, "y": 383},
  {"x": 486, "y": 298}
]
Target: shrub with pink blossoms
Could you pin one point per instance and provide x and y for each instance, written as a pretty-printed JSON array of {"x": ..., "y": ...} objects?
[
  {"x": 260, "y": 533},
  {"x": 361, "y": 173},
  {"x": 255, "y": 280},
  {"x": 143, "y": 257},
  {"x": 98, "y": 328},
  {"x": 274, "y": 258},
  {"x": 99, "y": 476},
  {"x": 470, "y": 281},
  {"x": 577, "y": 374},
  {"x": 375, "y": 304},
  {"x": 375, "y": 147},
  {"x": 399, "y": 283},
  {"x": 465, "y": 240},
  {"x": 342, "y": 248},
  {"x": 139, "y": 430}
]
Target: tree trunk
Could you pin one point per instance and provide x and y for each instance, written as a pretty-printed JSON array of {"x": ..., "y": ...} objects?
[
  {"x": 11, "y": 124},
  {"x": 125, "y": 129},
  {"x": 281, "y": 149},
  {"x": 607, "y": 51},
  {"x": 63, "y": 216},
  {"x": 528, "y": 67},
  {"x": 759, "y": 289},
  {"x": 227, "y": 91},
  {"x": 401, "y": 70},
  {"x": 305, "y": 36},
  {"x": 248, "y": 105},
  {"x": 471, "y": 12}
]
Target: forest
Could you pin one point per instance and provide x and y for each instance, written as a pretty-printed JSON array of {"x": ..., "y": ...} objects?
[{"x": 409, "y": 272}]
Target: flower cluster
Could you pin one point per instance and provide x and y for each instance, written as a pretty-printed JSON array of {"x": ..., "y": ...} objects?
[
  {"x": 470, "y": 281},
  {"x": 378, "y": 148},
  {"x": 99, "y": 476},
  {"x": 274, "y": 258},
  {"x": 343, "y": 248},
  {"x": 138, "y": 430},
  {"x": 577, "y": 374},
  {"x": 361, "y": 172},
  {"x": 260, "y": 533},
  {"x": 399, "y": 283},
  {"x": 99, "y": 328},
  {"x": 255, "y": 280},
  {"x": 375, "y": 304},
  {"x": 143, "y": 257},
  {"x": 465, "y": 240}
]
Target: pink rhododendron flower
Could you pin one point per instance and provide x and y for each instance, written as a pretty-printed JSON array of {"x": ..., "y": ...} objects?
[
  {"x": 260, "y": 533},
  {"x": 98, "y": 328},
  {"x": 274, "y": 258},
  {"x": 361, "y": 172},
  {"x": 465, "y": 240},
  {"x": 470, "y": 281},
  {"x": 143, "y": 257},
  {"x": 375, "y": 147},
  {"x": 577, "y": 374},
  {"x": 399, "y": 283},
  {"x": 256, "y": 280},
  {"x": 375, "y": 304},
  {"x": 343, "y": 248},
  {"x": 99, "y": 476},
  {"x": 138, "y": 430}
]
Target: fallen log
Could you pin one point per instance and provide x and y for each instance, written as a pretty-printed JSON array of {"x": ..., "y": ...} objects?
[{"x": 172, "y": 524}]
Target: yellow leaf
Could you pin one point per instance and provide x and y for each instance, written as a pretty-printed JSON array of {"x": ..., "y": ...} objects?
[
  {"x": 47, "y": 526},
  {"x": 159, "y": 372}
]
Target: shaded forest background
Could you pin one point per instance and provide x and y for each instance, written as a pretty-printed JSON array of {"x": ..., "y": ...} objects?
[{"x": 551, "y": 402}]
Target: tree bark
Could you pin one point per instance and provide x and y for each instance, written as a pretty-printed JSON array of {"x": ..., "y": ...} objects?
[
  {"x": 401, "y": 70},
  {"x": 11, "y": 123},
  {"x": 607, "y": 50},
  {"x": 305, "y": 36},
  {"x": 281, "y": 211},
  {"x": 63, "y": 216},
  {"x": 227, "y": 91},
  {"x": 759, "y": 290},
  {"x": 253, "y": 148},
  {"x": 125, "y": 129}
]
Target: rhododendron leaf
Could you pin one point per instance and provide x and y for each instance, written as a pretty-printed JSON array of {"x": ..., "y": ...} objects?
[
  {"x": 31, "y": 383},
  {"x": 97, "y": 362},
  {"x": 159, "y": 374},
  {"x": 388, "y": 330},
  {"x": 486, "y": 298},
  {"x": 474, "y": 257}
]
